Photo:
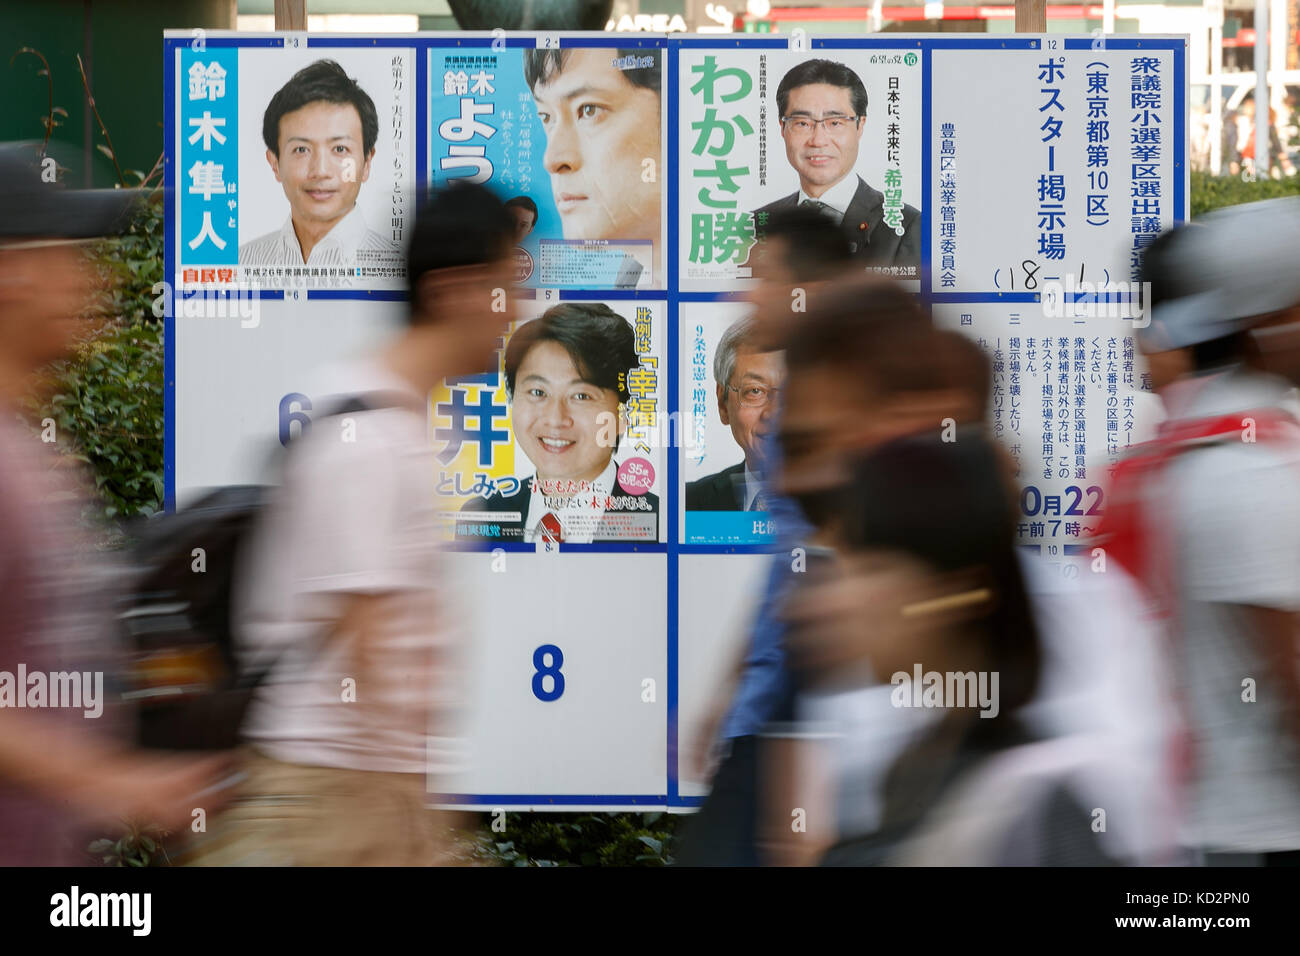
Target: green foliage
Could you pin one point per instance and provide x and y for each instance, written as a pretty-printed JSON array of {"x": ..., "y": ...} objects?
[
  {"x": 107, "y": 405},
  {"x": 137, "y": 846},
  {"x": 106, "y": 399},
  {"x": 131, "y": 263},
  {"x": 1212, "y": 192},
  {"x": 574, "y": 839}
]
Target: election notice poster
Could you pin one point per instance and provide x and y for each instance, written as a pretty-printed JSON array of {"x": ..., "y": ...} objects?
[
  {"x": 562, "y": 442},
  {"x": 297, "y": 167},
  {"x": 1041, "y": 271},
  {"x": 573, "y": 141},
  {"x": 1088, "y": 184},
  {"x": 764, "y": 130}
]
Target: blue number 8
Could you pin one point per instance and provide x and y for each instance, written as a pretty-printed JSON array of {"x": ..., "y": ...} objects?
[{"x": 551, "y": 670}]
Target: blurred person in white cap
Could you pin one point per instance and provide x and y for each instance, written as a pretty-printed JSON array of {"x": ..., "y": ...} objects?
[{"x": 1207, "y": 515}]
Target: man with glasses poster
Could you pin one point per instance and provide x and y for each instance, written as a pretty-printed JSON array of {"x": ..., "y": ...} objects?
[
  {"x": 823, "y": 111},
  {"x": 748, "y": 382}
]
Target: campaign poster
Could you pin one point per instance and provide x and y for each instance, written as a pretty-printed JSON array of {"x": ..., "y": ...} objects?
[
  {"x": 296, "y": 167},
  {"x": 563, "y": 442},
  {"x": 764, "y": 131},
  {"x": 731, "y": 392},
  {"x": 572, "y": 140}
]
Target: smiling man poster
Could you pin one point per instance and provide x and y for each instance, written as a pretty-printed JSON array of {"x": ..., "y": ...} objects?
[{"x": 320, "y": 131}]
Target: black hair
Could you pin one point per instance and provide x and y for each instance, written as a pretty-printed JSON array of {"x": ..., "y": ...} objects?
[
  {"x": 1220, "y": 352},
  {"x": 461, "y": 224},
  {"x": 322, "y": 81},
  {"x": 815, "y": 245},
  {"x": 1161, "y": 266},
  {"x": 946, "y": 504},
  {"x": 542, "y": 66},
  {"x": 822, "y": 71},
  {"x": 523, "y": 202},
  {"x": 599, "y": 340}
]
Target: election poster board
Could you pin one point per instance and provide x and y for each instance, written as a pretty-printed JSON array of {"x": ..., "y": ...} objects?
[{"x": 606, "y": 582}]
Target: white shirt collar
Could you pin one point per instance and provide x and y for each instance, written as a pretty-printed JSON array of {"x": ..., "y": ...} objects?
[
  {"x": 345, "y": 235},
  {"x": 838, "y": 197}
]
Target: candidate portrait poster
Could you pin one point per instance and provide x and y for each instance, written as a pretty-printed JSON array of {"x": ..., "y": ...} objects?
[
  {"x": 297, "y": 167},
  {"x": 764, "y": 130},
  {"x": 562, "y": 443},
  {"x": 731, "y": 389},
  {"x": 573, "y": 141}
]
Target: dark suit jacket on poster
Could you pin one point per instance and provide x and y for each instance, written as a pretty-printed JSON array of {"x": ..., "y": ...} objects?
[
  {"x": 873, "y": 242},
  {"x": 723, "y": 491},
  {"x": 521, "y": 499}
]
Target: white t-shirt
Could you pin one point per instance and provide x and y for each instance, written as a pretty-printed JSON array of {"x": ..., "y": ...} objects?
[
  {"x": 352, "y": 517},
  {"x": 1234, "y": 508},
  {"x": 1100, "y": 691}
]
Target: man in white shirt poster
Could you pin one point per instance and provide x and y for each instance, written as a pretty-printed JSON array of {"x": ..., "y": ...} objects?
[{"x": 320, "y": 131}]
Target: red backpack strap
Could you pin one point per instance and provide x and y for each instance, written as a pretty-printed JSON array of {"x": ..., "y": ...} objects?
[{"x": 1122, "y": 530}]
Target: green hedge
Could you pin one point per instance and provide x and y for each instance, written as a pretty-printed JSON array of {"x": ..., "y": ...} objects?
[
  {"x": 1212, "y": 192},
  {"x": 106, "y": 399}
]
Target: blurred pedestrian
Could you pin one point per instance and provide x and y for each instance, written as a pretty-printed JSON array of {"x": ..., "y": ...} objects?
[
  {"x": 801, "y": 252},
  {"x": 1208, "y": 516},
  {"x": 61, "y": 771},
  {"x": 341, "y": 603}
]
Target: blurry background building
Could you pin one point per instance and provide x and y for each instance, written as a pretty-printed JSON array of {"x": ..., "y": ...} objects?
[{"x": 123, "y": 86}]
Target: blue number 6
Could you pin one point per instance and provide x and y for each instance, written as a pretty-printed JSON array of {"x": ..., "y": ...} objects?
[{"x": 551, "y": 670}]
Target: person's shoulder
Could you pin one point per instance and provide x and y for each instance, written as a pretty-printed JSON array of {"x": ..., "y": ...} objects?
[
  {"x": 724, "y": 474},
  {"x": 497, "y": 501},
  {"x": 784, "y": 202},
  {"x": 714, "y": 492},
  {"x": 263, "y": 247},
  {"x": 375, "y": 240}
]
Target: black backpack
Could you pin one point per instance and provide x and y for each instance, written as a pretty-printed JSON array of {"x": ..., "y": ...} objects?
[{"x": 184, "y": 677}]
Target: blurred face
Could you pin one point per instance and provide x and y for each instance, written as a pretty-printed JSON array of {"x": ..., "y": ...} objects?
[
  {"x": 321, "y": 163},
  {"x": 599, "y": 128},
  {"x": 43, "y": 290},
  {"x": 754, "y": 372},
  {"x": 824, "y": 421},
  {"x": 563, "y": 423},
  {"x": 525, "y": 219},
  {"x": 772, "y": 296},
  {"x": 1167, "y": 367},
  {"x": 827, "y": 614},
  {"x": 467, "y": 302},
  {"x": 1277, "y": 344},
  {"x": 821, "y": 158}
]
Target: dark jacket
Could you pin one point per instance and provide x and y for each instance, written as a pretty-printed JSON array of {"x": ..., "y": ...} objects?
[
  {"x": 872, "y": 242},
  {"x": 722, "y": 491}
]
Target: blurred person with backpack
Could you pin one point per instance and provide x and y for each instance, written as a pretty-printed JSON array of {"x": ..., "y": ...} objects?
[
  {"x": 1207, "y": 516},
  {"x": 338, "y": 602}
]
